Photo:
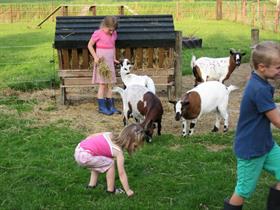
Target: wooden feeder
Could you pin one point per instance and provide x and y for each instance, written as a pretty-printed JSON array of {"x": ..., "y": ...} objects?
[{"x": 149, "y": 41}]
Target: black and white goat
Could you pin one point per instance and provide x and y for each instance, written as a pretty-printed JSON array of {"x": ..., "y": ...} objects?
[
  {"x": 133, "y": 79},
  {"x": 219, "y": 69},
  {"x": 143, "y": 105},
  {"x": 204, "y": 98}
]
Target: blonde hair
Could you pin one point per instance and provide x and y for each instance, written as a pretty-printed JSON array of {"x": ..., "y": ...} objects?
[
  {"x": 265, "y": 53},
  {"x": 109, "y": 22},
  {"x": 132, "y": 134}
]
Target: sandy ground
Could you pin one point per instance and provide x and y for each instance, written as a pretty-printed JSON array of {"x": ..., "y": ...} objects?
[{"x": 83, "y": 116}]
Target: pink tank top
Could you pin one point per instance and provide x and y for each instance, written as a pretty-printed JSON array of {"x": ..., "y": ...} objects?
[{"x": 99, "y": 145}]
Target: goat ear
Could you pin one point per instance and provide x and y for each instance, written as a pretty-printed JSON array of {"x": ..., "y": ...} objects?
[
  {"x": 232, "y": 51},
  {"x": 185, "y": 103},
  {"x": 243, "y": 53},
  {"x": 121, "y": 62},
  {"x": 172, "y": 102}
]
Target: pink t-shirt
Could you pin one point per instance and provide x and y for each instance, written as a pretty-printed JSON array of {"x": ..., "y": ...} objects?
[
  {"x": 99, "y": 145},
  {"x": 104, "y": 40}
]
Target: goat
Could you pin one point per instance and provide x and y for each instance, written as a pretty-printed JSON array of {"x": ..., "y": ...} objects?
[
  {"x": 204, "y": 98},
  {"x": 133, "y": 79},
  {"x": 218, "y": 69},
  {"x": 143, "y": 105}
]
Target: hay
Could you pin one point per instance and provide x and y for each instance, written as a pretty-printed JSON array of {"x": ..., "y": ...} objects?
[{"x": 104, "y": 69}]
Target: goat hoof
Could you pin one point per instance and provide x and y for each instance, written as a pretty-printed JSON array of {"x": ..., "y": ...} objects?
[{"x": 215, "y": 129}]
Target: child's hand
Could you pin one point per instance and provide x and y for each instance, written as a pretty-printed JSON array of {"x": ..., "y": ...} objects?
[
  {"x": 96, "y": 60},
  {"x": 116, "y": 61},
  {"x": 129, "y": 193}
]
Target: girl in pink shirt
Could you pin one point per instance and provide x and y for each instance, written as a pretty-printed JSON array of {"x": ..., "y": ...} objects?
[
  {"x": 104, "y": 41},
  {"x": 98, "y": 151}
]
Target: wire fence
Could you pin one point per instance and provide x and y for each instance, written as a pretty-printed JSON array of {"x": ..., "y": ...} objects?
[{"x": 255, "y": 13}]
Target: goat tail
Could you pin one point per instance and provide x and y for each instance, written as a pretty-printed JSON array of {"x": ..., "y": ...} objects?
[
  {"x": 118, "y": 90},
  {"x": 231, "y": 88},
  {"x": 151, "y": 85},
  {"x": 193, "y": 64}
]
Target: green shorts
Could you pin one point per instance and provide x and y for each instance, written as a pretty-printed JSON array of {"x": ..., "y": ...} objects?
[{"x": 249, "y": 171}]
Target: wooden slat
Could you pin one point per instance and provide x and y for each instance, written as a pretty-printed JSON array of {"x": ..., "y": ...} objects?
[
  {"x": 75, "y": 73},
  {"x": 65, "y": 59},
  {"x": 85, "y": 59},
  {"x": 118, "y": 53},
  {"x": 139, "y": 58},
  {"x": 160, "y": 57},
  {"x": 60, "y": 64},
  {"x": 74, "y": 59},
  {"x": 128, "y": 53},
  {"x": 150, "y": 57}
]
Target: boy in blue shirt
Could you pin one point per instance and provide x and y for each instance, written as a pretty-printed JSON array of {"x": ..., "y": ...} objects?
[{"x": 254, "y": 145}]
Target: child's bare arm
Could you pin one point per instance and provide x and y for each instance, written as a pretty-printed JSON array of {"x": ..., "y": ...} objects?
[
  {"x": 122, "y": 174},
  {"x": 274, "y": 117},
  {"x": 91, "y": 43}
]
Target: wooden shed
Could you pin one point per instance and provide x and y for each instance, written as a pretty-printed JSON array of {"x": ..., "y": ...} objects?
[{"x": 149, "y": 41}]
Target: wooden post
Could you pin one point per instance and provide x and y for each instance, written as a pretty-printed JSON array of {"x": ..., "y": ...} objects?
[
  {"x": 253, "y": 15},
  {"x": 276, "y": 21},
  {"x": 244, "y": 4},
  {"x": 263, "y": 16},
  {"x": 254, "y": 36},
  {"x": 11, "y": 13},
  {"x": 235, "y": 11},
  {"x": 64, "y": 10},
  {"x": 121, "y": 10},
  {"x": 178, "y": 64},
  {"x": 177, "y": 10},
  {"x": 93, "y": 10},
  {"x": 219, "y": 10}
]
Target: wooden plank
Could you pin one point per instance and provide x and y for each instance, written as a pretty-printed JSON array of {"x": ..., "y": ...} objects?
[
  {"x": 161, "y": 52},
  {"x": 128, "y": 53},
  {"x": 118, "y": 54},
  {"x": 65, "y": 59},
  {"x": 139, "y": 58},
  {"x": 75, "y": 73},
  {"x": 178, "y": 64},
  {"x": 60, "y": 64},
  {"x": 150, "y": 54},
  {"x": 74, "y": 59},
  {"x": 85, "y": 59}
]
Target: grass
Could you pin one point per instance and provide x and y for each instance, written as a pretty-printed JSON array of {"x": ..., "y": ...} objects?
[{"x": 37, "y": 170}]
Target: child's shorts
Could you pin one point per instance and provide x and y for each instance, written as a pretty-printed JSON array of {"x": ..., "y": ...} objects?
[
  {"x": 249, "y": 171},
  {"x": 97, "y": 163}
]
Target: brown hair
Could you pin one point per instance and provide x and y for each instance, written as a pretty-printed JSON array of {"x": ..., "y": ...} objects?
[
  {"x": 109, "y": 22},
  {"x": 132, "y": 136},
  {"x": 265, "y": 53}
]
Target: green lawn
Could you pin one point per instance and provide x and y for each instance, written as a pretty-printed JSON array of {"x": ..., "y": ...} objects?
[{"x": 38, "y": 171}]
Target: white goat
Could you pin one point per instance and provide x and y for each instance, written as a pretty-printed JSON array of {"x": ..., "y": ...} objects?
[
  {"x": 219, "y": 69},
  {"x": 141, "y": 104},
  {"x": 204, "y": 98},
  {"x": 133, "y": 79}
]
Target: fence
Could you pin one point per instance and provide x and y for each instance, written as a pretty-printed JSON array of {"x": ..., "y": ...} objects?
[{"x": 255, "y": 13}]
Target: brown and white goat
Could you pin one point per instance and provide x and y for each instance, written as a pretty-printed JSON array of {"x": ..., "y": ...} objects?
[
  {"x": 219, "y": 69},
  {"x": 204, "y": 98},
  {"x": 143, "y": 105}
]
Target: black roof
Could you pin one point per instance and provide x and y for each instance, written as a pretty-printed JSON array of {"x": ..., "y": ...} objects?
[{"x": 133, "y": 31}]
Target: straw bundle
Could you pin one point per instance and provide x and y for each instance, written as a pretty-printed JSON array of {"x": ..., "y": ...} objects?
[{"x": 104, "y": 69}]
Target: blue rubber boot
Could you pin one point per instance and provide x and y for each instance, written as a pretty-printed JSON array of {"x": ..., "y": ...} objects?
[
  {"x": 103, "y": 108},
  {"x": 111, "y": 106}
]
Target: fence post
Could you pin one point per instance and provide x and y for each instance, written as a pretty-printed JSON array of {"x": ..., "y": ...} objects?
[
  {"x": 11, "y": 13},
  {"x": 253, "y": 15},
  {"x": 219, "y": 10},
  {"x": 235, "y": 11},
  {"x": 244, "y": 4},
  {"x": 276, "y": 21},
  {"x": 64, "y": 10},
  {"x": 178, "y": 64},
  {"x": 93, "y": 10},
  {"x": 254, "y": 36},
  {"x": 121, "y": 10}
]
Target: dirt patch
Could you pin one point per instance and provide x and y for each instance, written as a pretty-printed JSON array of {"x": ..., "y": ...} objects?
[{"x": 85, "y": 118}]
